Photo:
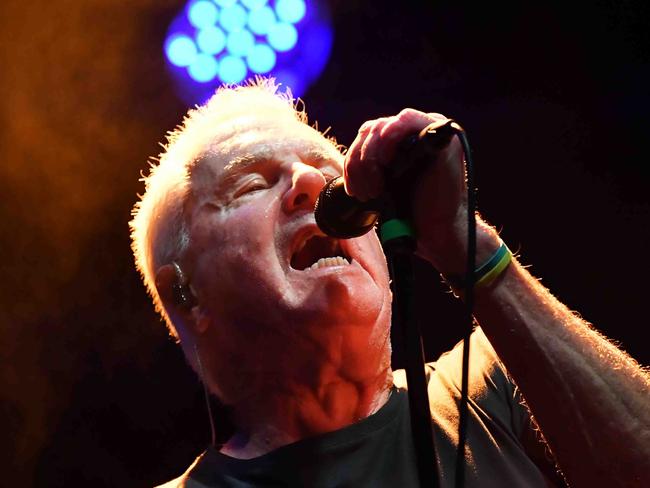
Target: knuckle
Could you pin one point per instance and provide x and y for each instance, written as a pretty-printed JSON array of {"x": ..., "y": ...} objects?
[
  {"x": 408, "y": 114},
  {"x": 366, "y": 126},
  {"x": 374, "y": 125},
  {"x": 379, "y": 123}
]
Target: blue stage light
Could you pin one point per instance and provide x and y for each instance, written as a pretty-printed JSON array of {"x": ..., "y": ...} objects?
[
  {"x": 254, "y": 4},
  {"x": 181, "y": 50},
  {"x": 260, "y": 20},
  {"x": 240, "y": 42},
  {"x": 233, "y": 18},
  {"x": 211, "y": 40},
  {"x": 291, "y": 11},
  {"x": 288, "y": 78},
  {"x": 261, "y": 59},
  {"x": 232, "y": 69},
  {"x": 202, "y": 14},
  {"x": 227, "y": 41},
  {"x": 204, "y": 68},
  {"x": 282, "y": 37}
]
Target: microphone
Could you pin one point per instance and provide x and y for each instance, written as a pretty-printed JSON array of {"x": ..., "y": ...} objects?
[{"x": 341, "y": 216}]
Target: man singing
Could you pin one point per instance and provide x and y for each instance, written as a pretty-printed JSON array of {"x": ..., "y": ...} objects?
[{"x": 290, "y": 329}]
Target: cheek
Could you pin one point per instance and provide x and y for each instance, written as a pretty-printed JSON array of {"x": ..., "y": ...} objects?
[
  {"x": 240, "y": 272},
  {"x": 237, "y": 235},
  {"x": 250, "y": 228},
  {"x": 377, "y": 258}
]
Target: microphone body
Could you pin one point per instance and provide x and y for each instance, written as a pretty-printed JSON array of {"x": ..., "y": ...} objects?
[{"x": 342, "y": 216}]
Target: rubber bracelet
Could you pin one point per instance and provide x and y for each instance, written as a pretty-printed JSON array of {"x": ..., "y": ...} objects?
[
  {"x": 488, "y": 272},
  {"x": 490, "y": 275}
]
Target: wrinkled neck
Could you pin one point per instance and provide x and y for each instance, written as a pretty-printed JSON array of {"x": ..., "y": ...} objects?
[{"x": 290, "y": 411}]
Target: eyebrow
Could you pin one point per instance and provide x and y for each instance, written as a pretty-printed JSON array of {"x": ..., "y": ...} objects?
[
  {"x": 240, "y": 164},
  {"x": 319, "y": 155}
]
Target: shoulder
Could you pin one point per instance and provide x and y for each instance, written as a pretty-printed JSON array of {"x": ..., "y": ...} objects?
[
  {"x": 491, "y": 391},
  {"x": 185, "y": 480},
  {"x": 485, "y": 366},
  {"x": 486, "y": 369},
  {"x": 175, "y": 483}
]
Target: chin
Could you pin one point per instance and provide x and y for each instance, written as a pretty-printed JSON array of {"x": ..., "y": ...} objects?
[{"x": 343, "y": 301}]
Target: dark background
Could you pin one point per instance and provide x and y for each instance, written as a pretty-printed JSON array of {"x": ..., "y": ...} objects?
[{"x": 92, "y": 391}]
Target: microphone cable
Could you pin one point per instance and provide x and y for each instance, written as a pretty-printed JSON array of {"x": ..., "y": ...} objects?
[{"x": 469, "y": 308}]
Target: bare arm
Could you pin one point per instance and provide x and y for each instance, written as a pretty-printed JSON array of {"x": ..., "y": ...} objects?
[{"x": 590, "y": 399}]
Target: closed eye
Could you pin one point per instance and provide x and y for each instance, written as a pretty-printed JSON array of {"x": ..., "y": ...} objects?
[{"x": 251, "y": 186}]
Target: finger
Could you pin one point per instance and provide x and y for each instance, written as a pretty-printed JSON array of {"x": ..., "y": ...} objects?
[
  {"x": 355, "y": 170},
  {"x": 406, "y": 123},
  {"x": 352, "y": 156},
  {"x": 403, "y": 125},
  {"x": 371, "y": 164}
]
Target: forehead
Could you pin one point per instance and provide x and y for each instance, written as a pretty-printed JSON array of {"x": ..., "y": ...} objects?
[{"x": 249, "y": 140}]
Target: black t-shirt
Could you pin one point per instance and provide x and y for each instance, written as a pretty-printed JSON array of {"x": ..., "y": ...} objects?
[
  {"x": 365, "y": 454},
  {"x": 502, "y": 448}
]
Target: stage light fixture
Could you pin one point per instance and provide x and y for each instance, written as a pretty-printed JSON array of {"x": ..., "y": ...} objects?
[
  {"x": 225, "y": 3},
  {"x": 240, "y": 42},
  {"x": 204, "y": 68},
  {"x": 233, "y": 18},
  {"x": 261, "y": 59},
  {"x": 260, "y": 20},
  {"x": 290, "y": 10},
  {"x": 254, "y": 4},
  {"x": 202, "y": 14},
  {"x": 212, "y": 42},
  {"x": 282, "y": 37},
  {"x": 181, "y": 50},
  {"x": 232, "y": 69}
]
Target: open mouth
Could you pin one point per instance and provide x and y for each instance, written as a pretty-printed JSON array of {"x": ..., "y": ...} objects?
[{"x": 318, "y": 252}]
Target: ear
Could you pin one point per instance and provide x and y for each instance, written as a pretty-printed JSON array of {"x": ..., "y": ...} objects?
[{"x": 179, "y": 299}]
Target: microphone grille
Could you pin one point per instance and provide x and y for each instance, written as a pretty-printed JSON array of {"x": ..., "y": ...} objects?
[{"x": 339, "y": 215}]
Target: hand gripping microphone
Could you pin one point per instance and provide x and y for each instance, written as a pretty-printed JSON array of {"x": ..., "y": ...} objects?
[{"x": 342, "y": 216}]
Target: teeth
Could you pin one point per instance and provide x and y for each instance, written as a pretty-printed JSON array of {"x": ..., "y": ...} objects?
[{"x": 335, "y": 261}]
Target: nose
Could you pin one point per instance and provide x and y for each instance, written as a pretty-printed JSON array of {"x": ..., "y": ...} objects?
[{"x": 306, "y": 184}]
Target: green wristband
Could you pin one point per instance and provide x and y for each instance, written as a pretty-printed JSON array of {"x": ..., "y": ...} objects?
[{"x": 394, "y": 228}]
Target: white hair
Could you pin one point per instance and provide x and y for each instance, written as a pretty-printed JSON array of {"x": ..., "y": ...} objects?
[{"x": 159, "y": 230}]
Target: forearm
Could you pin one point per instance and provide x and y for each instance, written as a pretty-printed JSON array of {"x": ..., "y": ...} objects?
[{"x": 590, "y": 399}]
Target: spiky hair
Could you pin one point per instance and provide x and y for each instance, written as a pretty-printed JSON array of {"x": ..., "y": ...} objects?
[{"x": 159, "y": 230}]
